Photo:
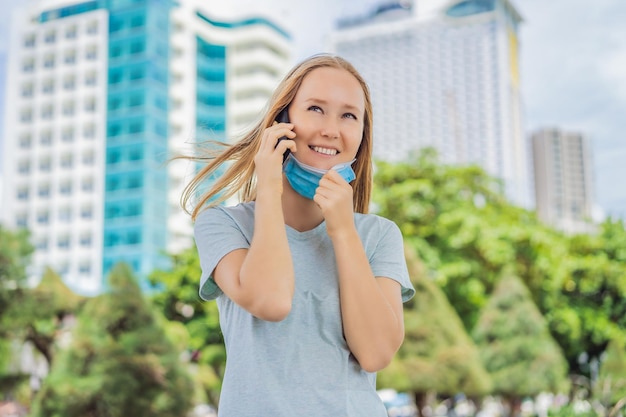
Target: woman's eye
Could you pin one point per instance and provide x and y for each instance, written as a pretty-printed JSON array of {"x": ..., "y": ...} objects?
[
  {"x": 315, "y": 108},
  {"x": 350, "y": 116}
]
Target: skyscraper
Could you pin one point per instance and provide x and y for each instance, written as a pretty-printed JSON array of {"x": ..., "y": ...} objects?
[
  {"x": 100, "y": 94},
  {"x": 563, "y": 179},
  {"x": 444, "y": 74}
]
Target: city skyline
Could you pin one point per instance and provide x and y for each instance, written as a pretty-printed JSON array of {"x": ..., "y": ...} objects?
[{"x": 572, "y": 58}]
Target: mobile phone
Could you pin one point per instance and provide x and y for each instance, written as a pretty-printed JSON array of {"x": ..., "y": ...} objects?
[{"x": 283, "y": 117}]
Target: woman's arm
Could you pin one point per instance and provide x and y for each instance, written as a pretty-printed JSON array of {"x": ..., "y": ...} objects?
[
  {"x": 371, "y": 307},
  {"x": 261, "y": 279}
]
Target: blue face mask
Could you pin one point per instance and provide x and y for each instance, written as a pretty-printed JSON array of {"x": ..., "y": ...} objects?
[{"x": 305, "y": 179}]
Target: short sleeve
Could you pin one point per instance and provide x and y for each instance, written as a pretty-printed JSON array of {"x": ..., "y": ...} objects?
[
  {"x": 216, "y": 234},
  {"x": 388, "y": 259}
]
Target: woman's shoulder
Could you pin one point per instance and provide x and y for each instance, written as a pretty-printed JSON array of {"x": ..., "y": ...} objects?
[
  {"x": 373, "y": 223},
  {"x": 238, "y": 212}
]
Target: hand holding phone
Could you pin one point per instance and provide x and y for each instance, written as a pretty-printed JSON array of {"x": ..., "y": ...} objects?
[{"x": 283, "y": 117}]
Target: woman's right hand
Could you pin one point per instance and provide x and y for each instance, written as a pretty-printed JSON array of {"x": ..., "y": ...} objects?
[{"x": 269, "y": 158}]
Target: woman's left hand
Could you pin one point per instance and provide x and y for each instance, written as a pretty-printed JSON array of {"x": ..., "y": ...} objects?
[{"x": 334, "y": 197}]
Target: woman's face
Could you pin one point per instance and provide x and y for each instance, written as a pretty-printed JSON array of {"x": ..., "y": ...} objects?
[{"x": 328, "y": 113}]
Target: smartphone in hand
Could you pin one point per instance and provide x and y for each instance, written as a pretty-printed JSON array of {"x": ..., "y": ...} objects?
[{"x": 283, "y": 117}]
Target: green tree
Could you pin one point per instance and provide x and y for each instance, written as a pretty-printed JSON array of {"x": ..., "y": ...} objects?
[
  {"x": 466, "y": 232},
  {"x": 591, "y": 307},
  {"x": 610, "y": 387},
  {"x": 15, "y": 252},
  {"x": 119, "y": 363},
  {"x": 437, "y": 355},
  {"x": 179, "y": 301},
  {"x": 40, "y": 316},
  {"x": 516, "y": 346}
]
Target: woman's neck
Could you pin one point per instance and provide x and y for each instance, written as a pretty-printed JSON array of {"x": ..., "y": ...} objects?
[{"x": 300, "y": 213}]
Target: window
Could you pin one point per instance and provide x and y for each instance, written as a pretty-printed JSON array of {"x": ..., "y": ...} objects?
[
  {"x": 136, "y": 74},
  {"x": 22, "y": 193},
  {"x": 65, "y": 214},
  {"x": 21, "y": 220},
  {"x": 65, "y": 188},
  {"x": 48, "y": 61},
  {"x": 90, "y": 78},
  {"x": 45, "y": 164},
  {"x": 29, "y": 40},
  {"x": 25, "y": 140},
  {"x": 44, "y": 190},
  {"x": 63, "y": 242},
  {"x": 50, "y": 37},
  {"x": 42, "y": 243},
  {"x": 92, "y": 27},
  {"x": 70, "y": 57},
  {"x": 86, "y": 212},
  {"x": 136, "y": 21},
  {"x": 67, "y": 135},
  {"x": 26, "y": 115},
  {"x": 43, "y": 217},
  {"x": 88, "y": 158},
  {"x": 69, "y": 82},
  {"x": 28, "y": 65},
  {"x": 92, "y": 53},
  {"x": 23, "y": 166},
  {"x": 85, "y": 240},
  {"x": 47, "y": 111},
  {"x": 135, "y": 100},
  {"x": 135, "y": 127},
  {"x": 47, "y": 86},
  {"x": 27, "y": 90},
  {"x": 115, "y": 51},
  {"x": 45, "y": 137},
  {"x": 68, "y": 108},
  {"x": 89, "y": 131},
  {"x": 137, "y": 47},
  {"x": 70, "y": 32},
  {"x": 66, "y": 160},
  {"x": 87, "y": 184},
  {"x": 90, "y": 105},
  {"x": 84, "y": 268}
]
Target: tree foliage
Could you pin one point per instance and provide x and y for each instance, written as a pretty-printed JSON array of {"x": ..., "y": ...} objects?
[
  {"x": 179, "y": 301},
  {"x": 466, "y": 232},
  {"x": 515, "y": 344},
  {"x": 437, "y": 354},
  {"x": 15, "y": 252},
  {"x": 119, "y": 363},
  {"x": 611, "y": 384}
]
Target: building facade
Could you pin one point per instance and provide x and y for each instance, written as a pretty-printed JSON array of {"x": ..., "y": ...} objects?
[
  {"x": 563, "y": 168},
  {"x": 100, "y": 95},
  {"x": 444, "y": 74}
]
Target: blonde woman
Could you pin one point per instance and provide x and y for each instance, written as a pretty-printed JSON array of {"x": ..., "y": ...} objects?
[{"x": 309, "y": 286}]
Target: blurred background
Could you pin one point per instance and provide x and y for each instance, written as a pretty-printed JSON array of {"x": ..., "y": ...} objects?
[{"x": 498, "y": 140}]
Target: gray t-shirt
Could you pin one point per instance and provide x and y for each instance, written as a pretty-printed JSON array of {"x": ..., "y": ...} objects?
[{"x": 300, "y": 366}]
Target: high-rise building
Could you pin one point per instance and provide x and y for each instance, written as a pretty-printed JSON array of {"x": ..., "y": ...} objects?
[
  {"x": 563, "y": 169},
  {"x": 444, "y": 74},
  {"x": 100, "y": 94}
]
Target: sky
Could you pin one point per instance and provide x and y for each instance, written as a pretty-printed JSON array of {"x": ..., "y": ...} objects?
[{"x": 572, "y": 62}]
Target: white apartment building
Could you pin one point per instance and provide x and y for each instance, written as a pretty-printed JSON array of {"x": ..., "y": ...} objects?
[
  {"x": 444, "y": 74},
  {"x": 563, "y": 169},
  {"x": 100, "y": 94}
]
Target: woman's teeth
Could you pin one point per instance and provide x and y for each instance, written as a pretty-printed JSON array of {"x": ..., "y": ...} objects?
[{"x": 325, "y": 151}]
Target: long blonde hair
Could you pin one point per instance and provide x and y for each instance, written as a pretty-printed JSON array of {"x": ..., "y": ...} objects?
[{"x": 239, "y": 177}]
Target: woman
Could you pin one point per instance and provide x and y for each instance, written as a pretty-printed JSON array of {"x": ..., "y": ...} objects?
[{"x": 309, "y": 287}]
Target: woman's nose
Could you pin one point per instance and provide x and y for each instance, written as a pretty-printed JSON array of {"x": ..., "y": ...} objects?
[{"x": 331, "y": 128}]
